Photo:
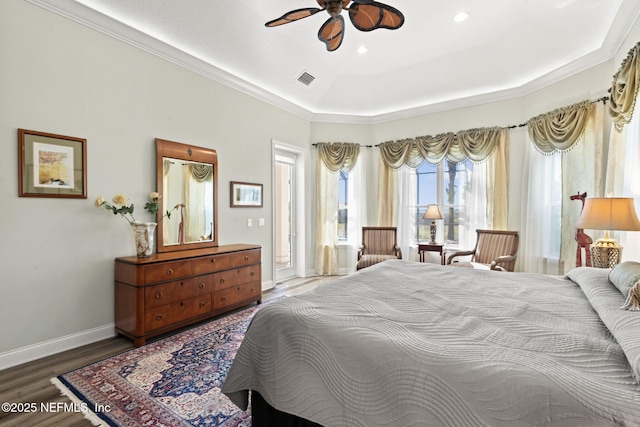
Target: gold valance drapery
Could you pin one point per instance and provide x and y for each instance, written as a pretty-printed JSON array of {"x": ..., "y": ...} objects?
[
  {"x": 474, "y": 144},
  {"x": 624, "y": 89},
  {"x": 558, "y": 130},
  {"x": 338, "y": 155},
  {"x": 201, "y": 172}
]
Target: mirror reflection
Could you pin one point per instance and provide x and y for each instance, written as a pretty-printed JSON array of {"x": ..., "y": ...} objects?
[{"x": 188, "y": 185}]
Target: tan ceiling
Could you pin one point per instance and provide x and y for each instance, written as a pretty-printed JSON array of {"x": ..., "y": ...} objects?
[{"x": 506, "y": 48}]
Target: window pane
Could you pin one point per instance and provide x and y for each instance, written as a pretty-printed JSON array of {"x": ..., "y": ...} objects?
[
  {"x": 343, "y": 198},
  {"x": 455, "y": 184},
  {"x": 427, "y": 184},
  {"x": 427, "y": 189}
]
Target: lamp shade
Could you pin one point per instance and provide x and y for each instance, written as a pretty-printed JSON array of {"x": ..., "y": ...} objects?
[
  {"x": 433, "y": 212},
  {"x": 609, "y": 213}
]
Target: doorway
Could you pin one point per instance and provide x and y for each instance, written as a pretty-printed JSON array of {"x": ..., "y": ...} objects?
[{"x": 288, "y": 203}]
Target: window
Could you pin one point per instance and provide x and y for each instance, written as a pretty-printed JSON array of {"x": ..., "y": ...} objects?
[
  {"x": 343, "y": 202},
  {"x": 447, "y": 185}
]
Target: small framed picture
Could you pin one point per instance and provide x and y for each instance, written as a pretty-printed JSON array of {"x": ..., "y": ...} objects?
[
  {"x": 51, "y": 165},
  {"x": 246, "y": 195}
]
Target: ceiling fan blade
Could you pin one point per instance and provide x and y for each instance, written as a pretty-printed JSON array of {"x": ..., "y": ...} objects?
[
  {"x": 332, "y": 32},
  {"x": 374, "y": 15},
  {"x": 294, "y": 15}
]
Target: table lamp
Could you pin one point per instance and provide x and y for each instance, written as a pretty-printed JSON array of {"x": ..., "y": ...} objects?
[
  {"x": 432, "y": 213},
  {"x": 608, "y": 213}
]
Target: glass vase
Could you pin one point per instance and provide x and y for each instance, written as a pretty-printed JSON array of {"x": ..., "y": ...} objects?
[{"x": 143, "y": 233}]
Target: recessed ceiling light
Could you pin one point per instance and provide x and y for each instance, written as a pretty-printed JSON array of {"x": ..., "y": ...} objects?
[
  {"x": 461, "y": 16},
  {"x": 362, "y": 50}
]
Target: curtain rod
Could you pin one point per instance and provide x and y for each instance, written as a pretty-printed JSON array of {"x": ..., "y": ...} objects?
[
  {"x": 315, "y": 144},
  {"x": 604, "y": 100}
]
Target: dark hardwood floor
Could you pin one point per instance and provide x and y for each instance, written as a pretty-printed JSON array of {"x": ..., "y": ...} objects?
[{"x": 29, "y": 385}]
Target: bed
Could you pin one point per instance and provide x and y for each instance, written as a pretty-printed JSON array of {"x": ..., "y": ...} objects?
[{"x": 412, "y": 344}]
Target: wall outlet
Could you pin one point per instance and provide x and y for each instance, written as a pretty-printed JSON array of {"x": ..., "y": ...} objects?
[
  {"x": 249, "y": 222},
  {"x": 260, "y": 222}
]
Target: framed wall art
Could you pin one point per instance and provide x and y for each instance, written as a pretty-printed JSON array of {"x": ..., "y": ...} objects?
[
  {"x": 51, "y": 165},
  {"x": 246, "y": 195}
]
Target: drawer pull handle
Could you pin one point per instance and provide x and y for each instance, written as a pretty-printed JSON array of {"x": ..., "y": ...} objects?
[
  {"x": 222, "y": 280},
  {"x": 202, "y": 285},
  {"x": 181, "y": 283},
  {"x": 169, "y": 272},
  {"x": 181, "y": 304},
  {"x": 222, "y": 298},
  {"x": 159, "y": 317},
  {"x": 238, "y": 288},
  {"x": 253, "y": 273},
  {"x": 213, "y": 260},
  {"x": 246, "y": 257},
  {"x": 159, "y": 295},
  {"x": 253, "y": 289},
  {"x": 202, "y": 304}
]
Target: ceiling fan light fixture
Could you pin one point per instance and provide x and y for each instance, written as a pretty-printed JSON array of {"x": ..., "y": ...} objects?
[
  {"x": 365, "y": 15},
  {"x": 334, "y": 8},
  {"x": 461, "y": 16}
]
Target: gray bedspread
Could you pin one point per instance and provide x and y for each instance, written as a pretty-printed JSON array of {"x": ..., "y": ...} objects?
[{"x": 410, "y": 344}]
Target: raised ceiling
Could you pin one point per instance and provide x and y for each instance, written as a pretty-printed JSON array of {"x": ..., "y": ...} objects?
[{"x": 506, "y": 48}]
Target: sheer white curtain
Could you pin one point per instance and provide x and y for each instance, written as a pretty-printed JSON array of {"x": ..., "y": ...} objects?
[
  {"x": 357, "y": 209},
  {"x": 581, "y": 171},
  {"x": 629, "y": 185},
  {"x": 478, "y": 212},
  {"x": 540, "y": 236},
  {"x": 407, "y": 202},
  {"x": 326, "y": 262}
]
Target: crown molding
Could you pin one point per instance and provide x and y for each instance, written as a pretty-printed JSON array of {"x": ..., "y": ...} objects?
[
  {"x": 102, "y": 23},
  {"x": 93, "y": 19}
]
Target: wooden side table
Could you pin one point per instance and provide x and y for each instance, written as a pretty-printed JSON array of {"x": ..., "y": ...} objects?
[{"x": 431, "y": 247}]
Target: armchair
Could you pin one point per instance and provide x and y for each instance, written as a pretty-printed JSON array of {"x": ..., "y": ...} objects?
[
  {"x": 378, "y": 244},
  {"x": 495, "y": 249}
]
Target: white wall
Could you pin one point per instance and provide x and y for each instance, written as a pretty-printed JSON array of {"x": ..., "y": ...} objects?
[{"x": 60, "y": 77}]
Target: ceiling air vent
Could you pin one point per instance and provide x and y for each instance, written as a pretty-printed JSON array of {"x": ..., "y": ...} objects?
[{"x": 306, "y": 78}]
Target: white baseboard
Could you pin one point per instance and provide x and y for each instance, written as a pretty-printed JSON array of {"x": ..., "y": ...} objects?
[
  {"x": 267, "y": 285},
  {"x": 47, "y": 348}
]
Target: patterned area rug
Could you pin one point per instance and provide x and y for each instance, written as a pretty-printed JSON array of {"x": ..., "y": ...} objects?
[{"x": 175, "y": 381}]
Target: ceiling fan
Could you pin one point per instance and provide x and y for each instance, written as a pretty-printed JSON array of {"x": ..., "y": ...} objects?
[{"x": 365, "y": 15}]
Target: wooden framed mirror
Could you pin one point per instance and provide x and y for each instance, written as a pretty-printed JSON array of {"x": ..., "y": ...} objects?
[{"x": 187, "y": 176}]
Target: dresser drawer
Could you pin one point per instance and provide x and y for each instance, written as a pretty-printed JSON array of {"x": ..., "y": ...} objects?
[
  {"x": 239, "y": 259},
  {"x": 169, "y": 292},
  {"x": 167, "y": 271},
  {"x": 248, "y": 274},
  {"x": 225, "y": 279},
  {"x": 210, "y": 264},
  {"x": 235, "y": 295},
  {"x": 237, "y": 276},
  {"x": 178, "y": 311}
]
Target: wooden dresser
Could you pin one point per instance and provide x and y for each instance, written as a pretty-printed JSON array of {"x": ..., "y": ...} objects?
[{"x": 169, "y": 290}]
